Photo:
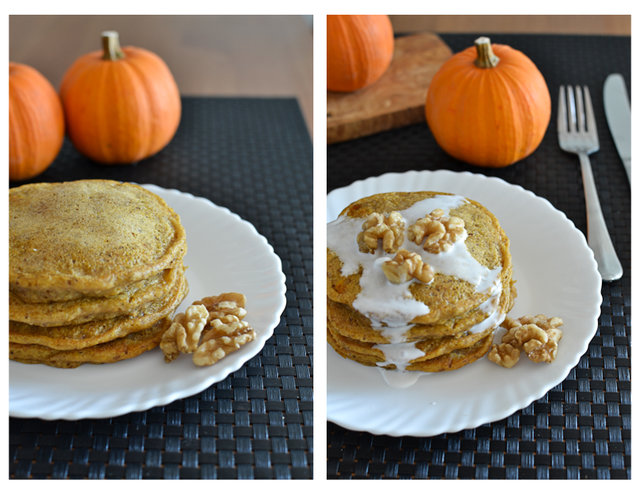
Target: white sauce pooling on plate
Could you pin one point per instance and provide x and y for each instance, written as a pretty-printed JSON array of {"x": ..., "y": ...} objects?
[
  {"x": 390, "y": 306},
  {"x": 397, "y": 379}
]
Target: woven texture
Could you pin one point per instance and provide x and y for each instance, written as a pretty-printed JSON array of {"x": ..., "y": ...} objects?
[
  {"x": 254, "y": 157},
  {"x": 582, "y": 427}
]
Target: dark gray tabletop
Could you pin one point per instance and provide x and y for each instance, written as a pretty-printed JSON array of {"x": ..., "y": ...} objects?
[{"x": 582, "y": 427}]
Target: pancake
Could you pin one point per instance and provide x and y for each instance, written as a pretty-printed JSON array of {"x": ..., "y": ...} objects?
[
  {"x": 352, "y": 324},
  {"x": 455, "y": 359},
  {"x": 45, "y": 296},
  {"x": 127, "y": 347},
  {"x": 78, "y": 336},
  {"x": 447, "y": 362},
  {"x": 448, "y": 296},
  {"x": 88, "y": 238},
  {"x": 129, "y": 303},
  {"x": 424, "y": 349}
]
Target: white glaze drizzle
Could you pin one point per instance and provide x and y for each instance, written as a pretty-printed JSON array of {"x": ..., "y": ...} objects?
[{"x": 402, "y": 353}]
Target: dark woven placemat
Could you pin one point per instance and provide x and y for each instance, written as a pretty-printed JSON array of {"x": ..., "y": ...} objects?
[
  {"x": 254, "y": 157},
  {"x": 582, "y": 427}
]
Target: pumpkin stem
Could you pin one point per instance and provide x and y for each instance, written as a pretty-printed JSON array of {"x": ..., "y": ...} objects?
[
  {"x": 111, "y": 46},
  {"x": 486, "y": 58}
]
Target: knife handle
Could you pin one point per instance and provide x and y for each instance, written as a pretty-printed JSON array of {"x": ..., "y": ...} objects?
[{"x": 597, "y": 234}]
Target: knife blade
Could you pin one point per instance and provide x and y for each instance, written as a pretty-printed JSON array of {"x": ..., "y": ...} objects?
[{"x": 618, "y": 112}]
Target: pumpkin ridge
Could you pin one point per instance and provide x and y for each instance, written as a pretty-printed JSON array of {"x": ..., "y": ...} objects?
[
  {"x": 360, "y": 52},
  {"x": 486, "y": 130},
  {"x": 493, "y": 104},
  {"x": 524, "y": 116},
  {"x": 367, "y": 50},
  {"x": 130, "y": 130},
  {"x": 23, "y": 119},
  {"x": 21, "y": 154},
  {"x": 349, "y": 55},
  {"x": 79, "y": 69},
  {"x": 510, "y": 130},
  {"x": 78, "y": 77},
  {"x": 104, "y": 138},
  {"x": 154, "y": 89},
  {"x": 49, "y": 138},
  {"x": 469, "y": 86},
  {"x": 144, "y": 106},
  {"x": 526, "y": 97}
]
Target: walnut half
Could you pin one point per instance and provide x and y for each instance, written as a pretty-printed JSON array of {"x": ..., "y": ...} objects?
[
  {"x": 184, "y": 333},
  {"x": 389, "y": 229},
  {"x": 406, "y": 266},
  {"x": 227, "y": 331},
  {"x": 537, "y": 336},
  {"x": 437, "y": 231},
  {"x": 222, "y": 340},
  {"x": 225, "y": 304},
  {"x": 504, "y": 355},
  {"x": 210, "y": 328}
]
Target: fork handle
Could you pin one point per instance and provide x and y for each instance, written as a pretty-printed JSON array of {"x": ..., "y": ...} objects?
[{"x": 597, "y": 233}]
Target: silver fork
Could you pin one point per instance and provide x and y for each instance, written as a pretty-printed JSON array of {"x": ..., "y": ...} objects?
[{"x": 577, "y": 134}]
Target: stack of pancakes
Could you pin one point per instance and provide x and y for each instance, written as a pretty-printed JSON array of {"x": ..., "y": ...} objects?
[
  {"x": 414, "y": 326},
  {"x": 95, "y": 271}
]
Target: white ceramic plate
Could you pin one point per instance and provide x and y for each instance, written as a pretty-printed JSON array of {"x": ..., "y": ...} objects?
[
  {"x": 556, "y": 275},
  {"x": 225, "y": 253}
]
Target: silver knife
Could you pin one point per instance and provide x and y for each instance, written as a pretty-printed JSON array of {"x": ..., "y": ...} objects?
[{"x": 618, "y": 111}]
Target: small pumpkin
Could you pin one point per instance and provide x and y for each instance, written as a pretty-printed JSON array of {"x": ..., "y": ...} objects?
[
  {"x": 36, "y": 122},
  {"x": 359, "y": 50},
  {"x": 488, "y": 105},
  {"x": 122, "y": 105}
]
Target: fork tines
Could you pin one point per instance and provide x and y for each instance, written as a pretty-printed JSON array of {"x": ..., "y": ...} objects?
[{"x": 578, "y": 117}]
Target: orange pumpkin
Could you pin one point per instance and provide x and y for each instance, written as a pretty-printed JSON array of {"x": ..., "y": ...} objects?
[
  {"x": 36, "y": 122},
  {"x": 121, "y": 104},
  {"x": 488, "y": 105},
  {"x": 359, "y": 50}
]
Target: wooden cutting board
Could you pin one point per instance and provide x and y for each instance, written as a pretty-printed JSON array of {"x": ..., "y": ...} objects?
[{"x": 396, "y": 99}]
